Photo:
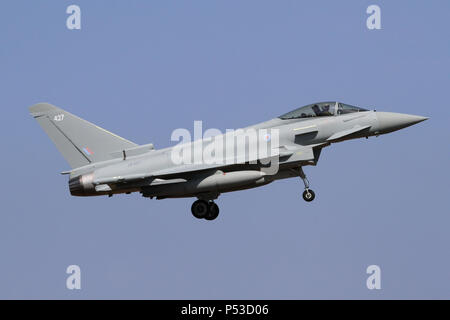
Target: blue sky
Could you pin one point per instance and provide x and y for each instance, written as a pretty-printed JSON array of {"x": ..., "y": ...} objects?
[{"x": 144, "y": 68}]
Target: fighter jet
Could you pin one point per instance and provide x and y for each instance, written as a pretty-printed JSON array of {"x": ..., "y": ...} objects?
[{"x": 102, "y": 163}]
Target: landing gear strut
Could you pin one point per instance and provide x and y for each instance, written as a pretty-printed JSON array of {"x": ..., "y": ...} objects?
[
  {"x": 308, "y": 194},
  {"x": 207, "y": 210}
]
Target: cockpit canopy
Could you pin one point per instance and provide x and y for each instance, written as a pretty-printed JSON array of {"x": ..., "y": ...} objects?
[{"x": 321, "y": 109}]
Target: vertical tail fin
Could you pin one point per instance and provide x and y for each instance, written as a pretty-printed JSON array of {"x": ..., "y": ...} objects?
[{"x": 79, "y": 141}]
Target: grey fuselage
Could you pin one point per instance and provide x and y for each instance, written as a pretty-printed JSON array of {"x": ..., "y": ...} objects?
[{"x": 137, "y": 172}]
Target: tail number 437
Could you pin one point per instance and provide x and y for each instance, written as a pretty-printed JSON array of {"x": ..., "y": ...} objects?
[{"x": 58, "y": 117}]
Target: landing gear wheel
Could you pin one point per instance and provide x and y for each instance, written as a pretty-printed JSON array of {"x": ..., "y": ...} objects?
[
  {"x": 200, "y": 209},
  {"x": 308, "y": 195},
  {"x": 213, "y": 211}
]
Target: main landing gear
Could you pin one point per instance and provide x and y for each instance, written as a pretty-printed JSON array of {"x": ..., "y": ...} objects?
[
  {"x": 202, "y": 209},
  {"x": 308, "y": 194}
]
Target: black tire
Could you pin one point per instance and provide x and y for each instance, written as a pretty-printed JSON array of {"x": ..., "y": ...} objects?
[
  {"x": 213, "y": 211},
  {"x": 308, "y": 195},
  {"x": 200, "y": 209}
]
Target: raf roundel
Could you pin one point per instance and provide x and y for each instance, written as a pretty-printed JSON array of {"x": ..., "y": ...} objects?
[{"x": 87, "y": 151}]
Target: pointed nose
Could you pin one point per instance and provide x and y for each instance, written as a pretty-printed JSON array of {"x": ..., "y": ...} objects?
[{"x": 391, "y": 121}]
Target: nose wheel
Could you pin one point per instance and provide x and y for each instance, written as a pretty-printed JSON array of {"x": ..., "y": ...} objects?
[
  {"x": 308, "y": 194},
  {"x": 207, "y": 210}
]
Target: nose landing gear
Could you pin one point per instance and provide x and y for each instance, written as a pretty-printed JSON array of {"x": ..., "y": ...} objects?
[
  {"x": 308, "y": 194},
  {"x": 207, "y": 210}
]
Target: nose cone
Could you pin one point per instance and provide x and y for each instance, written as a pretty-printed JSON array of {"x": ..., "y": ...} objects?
[{"x": 390, "y": 121}]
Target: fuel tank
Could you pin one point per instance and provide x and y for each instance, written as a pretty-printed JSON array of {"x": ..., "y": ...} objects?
[{"x": 215, "y": 183}]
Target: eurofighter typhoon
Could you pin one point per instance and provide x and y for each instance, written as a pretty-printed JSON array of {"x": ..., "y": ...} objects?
[{"x": 105, "y": 164}]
